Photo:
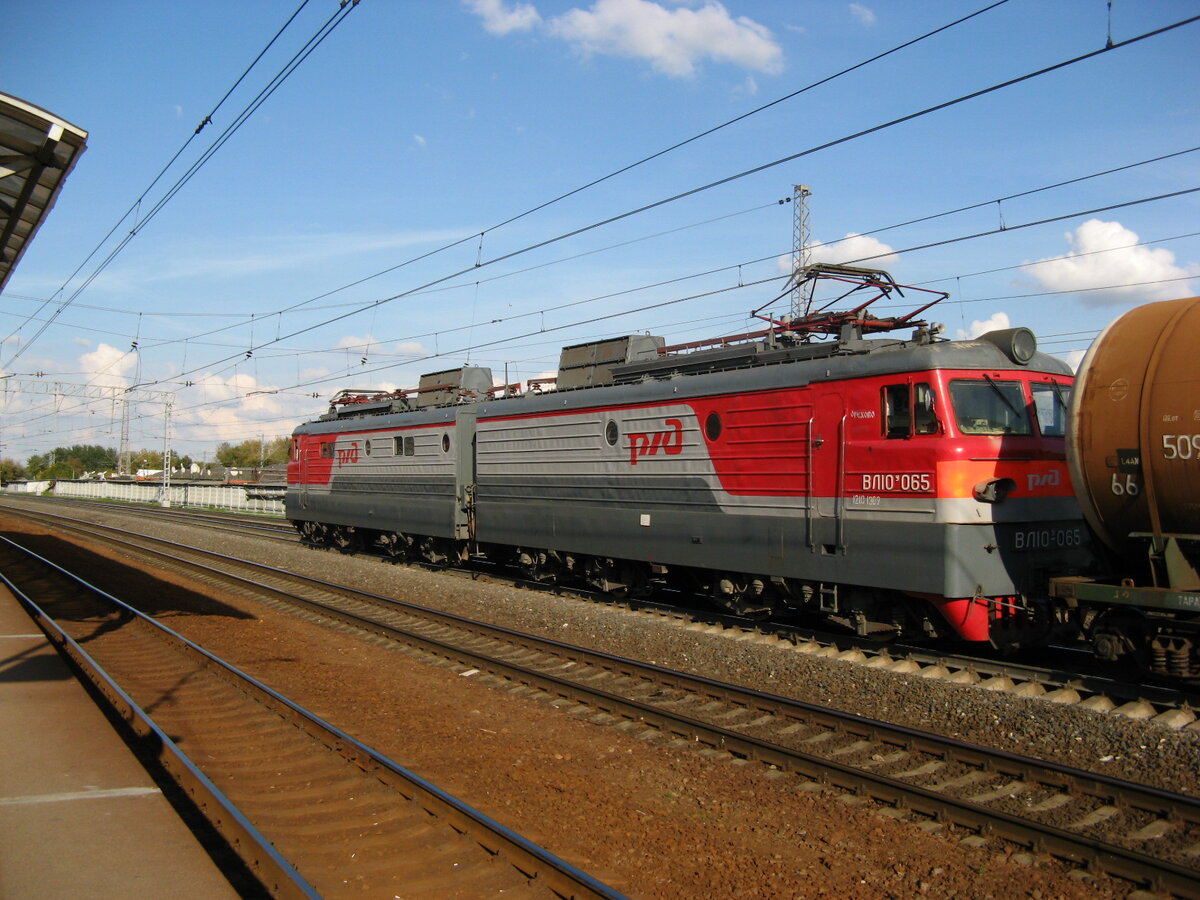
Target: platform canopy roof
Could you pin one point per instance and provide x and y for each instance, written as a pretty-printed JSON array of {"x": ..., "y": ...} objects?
[{"x": 37, "y": 152}]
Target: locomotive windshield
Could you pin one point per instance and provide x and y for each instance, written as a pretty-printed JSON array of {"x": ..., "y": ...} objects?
[
  {"x": 990, "y": 407},
  {"x": 1050, "y": 402}
]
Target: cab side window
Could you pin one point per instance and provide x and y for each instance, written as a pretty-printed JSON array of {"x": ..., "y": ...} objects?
[
  {"x": 909, "y": 410},
  {"x": 924, "y": 415},
  {"x": 897, "y": 414}
]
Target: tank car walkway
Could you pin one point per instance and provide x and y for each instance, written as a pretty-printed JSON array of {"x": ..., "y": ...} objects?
[{"x": 79, "y": 816}]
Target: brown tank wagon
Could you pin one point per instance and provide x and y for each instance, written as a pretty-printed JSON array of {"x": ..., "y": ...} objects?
[{"x": 1133, "y": 446}]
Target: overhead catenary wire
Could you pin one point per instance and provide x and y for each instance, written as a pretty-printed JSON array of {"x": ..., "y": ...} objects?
[
  {"x": 620, "y": 314},
  {"x": 660, "y": 153},
  {"x": 472, "y": 269},
  {"x": 245, "y": 317},
  {"x": 313, "y": 42},
  {"x": 929, "y": 245},
  {"x": 344, "y": 9}
]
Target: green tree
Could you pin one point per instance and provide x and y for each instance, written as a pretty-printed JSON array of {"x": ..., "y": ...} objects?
[
  {"x": 79, "y": 458},
  {"x": 11, "y": 470},
  {"x": 253, "y": 453},
  {"x": 146, "y": 459},
  {"x": 58, "y": 470}
]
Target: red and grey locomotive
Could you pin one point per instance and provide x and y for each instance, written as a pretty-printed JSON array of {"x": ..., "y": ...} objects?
[{"x": 911, "y": 486}]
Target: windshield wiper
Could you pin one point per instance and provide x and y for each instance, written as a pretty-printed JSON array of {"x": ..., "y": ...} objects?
[{"x": 1001, "y": 394}]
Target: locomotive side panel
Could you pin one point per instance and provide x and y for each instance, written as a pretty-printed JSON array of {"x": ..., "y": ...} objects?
[
  {"x": 635, "y": 482},
  {"x": 387, "y": 479}
]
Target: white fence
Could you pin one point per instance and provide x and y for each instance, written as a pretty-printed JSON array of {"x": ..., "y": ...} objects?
[{"x": 255, "y": 498}]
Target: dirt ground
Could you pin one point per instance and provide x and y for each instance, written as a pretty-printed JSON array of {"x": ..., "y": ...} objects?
[{"x": 651, "y": 818}]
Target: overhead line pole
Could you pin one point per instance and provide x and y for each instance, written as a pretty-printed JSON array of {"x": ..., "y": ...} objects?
[{"x": 124, "y": 395}]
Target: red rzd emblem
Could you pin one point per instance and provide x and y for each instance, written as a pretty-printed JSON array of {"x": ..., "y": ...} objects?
[
  {"x": 649, "y": 443},
  {"x": 347, "y": 455}
]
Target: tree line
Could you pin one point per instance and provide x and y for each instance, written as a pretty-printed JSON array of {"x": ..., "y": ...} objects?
[{"x": 79, "y": 459}]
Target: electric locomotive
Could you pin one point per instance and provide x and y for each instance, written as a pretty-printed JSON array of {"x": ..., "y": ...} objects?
[{"x": 909, "y": 486}]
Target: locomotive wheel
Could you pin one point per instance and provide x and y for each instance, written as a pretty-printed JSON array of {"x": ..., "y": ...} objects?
[
  {"x": 435, "y": 551},
  {"x": 541, "y": 566},
  {"x": 346, "y": 538},
  {"x": 396, "y": 545},
  {"x": 743, "y": 595},
  {"x": 604, "y": 575},
  {"x": 315, "y": 533},
  {"x": 1123, "y": 635}
]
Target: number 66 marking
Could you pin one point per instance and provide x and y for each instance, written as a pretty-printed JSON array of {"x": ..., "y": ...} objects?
[{"x": 1127, "y": 488}]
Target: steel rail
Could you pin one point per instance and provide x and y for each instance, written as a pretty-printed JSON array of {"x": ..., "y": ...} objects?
[
  {"x": 1129, "y": 864},
  {"x": 972, "y": 669},
  {"x": 537, "y": 864},
  {"x": 267, "y": 864}
]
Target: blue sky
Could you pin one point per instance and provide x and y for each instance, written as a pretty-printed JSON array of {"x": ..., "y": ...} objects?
[{"x": 358, "y": 228}]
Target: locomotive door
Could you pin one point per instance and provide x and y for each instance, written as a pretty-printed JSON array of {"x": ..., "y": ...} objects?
[
  {"x": 464, "y": 474},
  {"x": 829, "y": 463},
  {"x": 300, "y": 454}
]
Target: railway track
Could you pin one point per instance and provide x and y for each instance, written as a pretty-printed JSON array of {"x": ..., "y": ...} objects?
[
  {"x": 310, "y": 811},
  {"x": 1147, "y": 836},
  {"x": 1075, "y": 681},
  {"x": 259, "y": 525}
]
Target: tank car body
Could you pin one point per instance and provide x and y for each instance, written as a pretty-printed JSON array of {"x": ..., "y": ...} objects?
[
  {"x": 897, "y": 486},
  {"x": 1134, "y": 453}
]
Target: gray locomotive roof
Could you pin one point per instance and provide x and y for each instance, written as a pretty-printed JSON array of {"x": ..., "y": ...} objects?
[{"x": 738, "y": 368}]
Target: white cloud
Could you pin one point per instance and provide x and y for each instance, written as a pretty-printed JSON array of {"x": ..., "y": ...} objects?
[
  {"x": 353, "y": 342},
  {"x": 864, "y": 15},
  {"x": 235, "y": 408},
  {"x": 854, "y": 249},
  {"x": 997, "y": 322},
  {"x": 1072, "y": 358},
  {"x": 674, "y": 41},
  {"x": 410, "y": 348},
  {"x": 748, "y": 88},
  {"x": 500, "y": 19},
  {"x": 107, "y": 365},
  {"x": 370, "y": 344},
  {"x": 419, "y": 140},
  {"x": 1103, "y": 254}
]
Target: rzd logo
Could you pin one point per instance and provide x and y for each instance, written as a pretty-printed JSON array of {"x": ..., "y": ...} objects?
[
  {"x": 347, "y": 455},
  {"x": 1050, "y": 479},
  {"x": 649, "y": 443}
]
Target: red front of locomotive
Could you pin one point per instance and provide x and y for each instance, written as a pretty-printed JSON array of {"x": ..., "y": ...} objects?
[
  {"x": 945, "y": 484},
  {"x": 983, "y": 453}
]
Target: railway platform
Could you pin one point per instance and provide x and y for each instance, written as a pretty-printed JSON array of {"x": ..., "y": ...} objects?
[{"x": 79, "y": 815}]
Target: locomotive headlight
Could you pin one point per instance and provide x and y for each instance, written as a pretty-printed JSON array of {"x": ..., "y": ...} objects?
[
  {"x": 1018, "y": 344},
  {"x": 993, "y": 490}
]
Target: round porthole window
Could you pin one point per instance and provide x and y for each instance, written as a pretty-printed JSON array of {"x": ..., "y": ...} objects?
[
  {"x": 445, "y": 443},
  {"x": 712, "y": 426},
  {"x": 368, "y": 448},
  {"x": 612, "y": 433}
]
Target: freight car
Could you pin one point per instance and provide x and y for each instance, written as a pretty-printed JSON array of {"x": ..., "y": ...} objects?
[
  {"x": 912, "y": 486},
  {"x": 1134, "y": 452}
]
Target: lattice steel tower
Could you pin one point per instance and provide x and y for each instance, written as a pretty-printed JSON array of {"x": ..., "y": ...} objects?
[{"x": 801, "y": 249}]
